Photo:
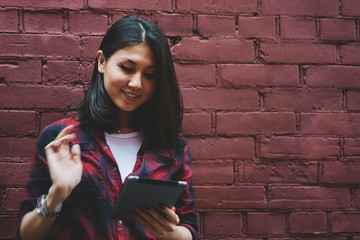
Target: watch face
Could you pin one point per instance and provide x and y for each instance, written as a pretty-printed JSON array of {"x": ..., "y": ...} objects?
[{"x": 42, "y": 210}]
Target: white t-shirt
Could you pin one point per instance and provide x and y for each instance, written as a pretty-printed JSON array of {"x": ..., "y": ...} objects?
[{"x": 124, "y": 148}]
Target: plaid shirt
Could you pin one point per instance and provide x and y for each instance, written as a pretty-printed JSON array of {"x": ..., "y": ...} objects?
[{"x": 86, "y": 213}]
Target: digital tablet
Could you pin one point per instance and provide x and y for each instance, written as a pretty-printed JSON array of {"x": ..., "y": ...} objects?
[{"x": 139, "y": 191}]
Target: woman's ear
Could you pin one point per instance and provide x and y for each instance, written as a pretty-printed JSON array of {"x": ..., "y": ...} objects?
[{"x": 101, "y": 61}]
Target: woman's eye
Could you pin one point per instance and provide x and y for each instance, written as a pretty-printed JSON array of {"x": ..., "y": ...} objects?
[
  {"x": 150, "y": 75},
  {"x": 126, "y": 69}
]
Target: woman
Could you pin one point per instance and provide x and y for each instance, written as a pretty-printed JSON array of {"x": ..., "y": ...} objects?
[{"x": 128, "y": 124}]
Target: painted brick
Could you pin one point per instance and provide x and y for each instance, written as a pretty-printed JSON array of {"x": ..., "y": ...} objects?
[
  {"x": 212, "y": 25},
  {"x": 239, "y": 75},
  {"x": 17, "y": 122},
  {"x": 245, "y": 99},
  {"x": 222, "y": 224},
  {"x": 341, "y": 173},
  {"x": 218, "y": 6},
  {"x": 12, "y": 147},
  {"x": 352, "y": 146},
  {"x": 283, "y": 147},
  {"x": 68, "y": 72},
  {"x": 353, "y": 100},
  {"x": 67, "y": 4},
  {"x": 91, "y": 46},
  {"x": 300, "y": 7},
  {"x": 357, "y": 198},
  {"x": 43, "y": 22},
  {"x": 222, "y": 148},
  {"x": 7, "y": 226},
  {"x": 214, "y": 50},
  {"x": 256, "y": 27},
  {"x": 297, "y": 28},
  {"x": 345, "y": 222},
  {"x": 14, "y": 173},
  {"x": 350, "y": 54},
  {"x": 21, "y": 71},
  {"x": 195, "y": 74},
  {"x": 307, "y": 222},
  {"x": 118, "y": 15},
  {"x": 14, "y": 197},
  {"x": 197, "y": 124},
  {"x": 9, "y": 21},
  {"x": 40, "y": 45},
  {"x": 330, "y": 123},
  {"x": 289, "y": 197},
  {"x": 265, "y": 223},
  {"x": 298, "y": 52},
  {"x": 333, "y": 76},
  {"x": 255, "y": 123},
  {"x": 213, "y": 172},
  {"x": 238, "y": 197},
  {"x": 176, "y": 24},
  {"x": 337, "y": 29},
  {"x": 303, "y": 100},
  {"x": 277, "y": 172},
  {"x": 164, "y": 5},
  {"x": 40, "y": 97},
  {"x": 87, "y": 23},
  {"x": 351, "y": 7}
]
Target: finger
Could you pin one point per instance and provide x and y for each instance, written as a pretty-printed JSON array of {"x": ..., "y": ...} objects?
[
  {"x": 170, "y": 214},
  {"x": 76, "y": 153},
  {"x": 139, "y": 215},
  {"x": 54, "y": 145},
  {"x": 64, "y": 132},
  {"x": 159, "y": 218}
]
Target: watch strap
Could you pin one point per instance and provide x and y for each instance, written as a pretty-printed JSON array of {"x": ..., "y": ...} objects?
[{"x": 42, "y": 210}]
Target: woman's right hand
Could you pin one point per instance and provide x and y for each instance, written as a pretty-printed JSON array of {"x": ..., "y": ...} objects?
[{"x": 65, "y": 167}]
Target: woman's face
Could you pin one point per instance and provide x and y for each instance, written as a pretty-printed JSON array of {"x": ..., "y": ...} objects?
[{"x": 129, "y": 76}]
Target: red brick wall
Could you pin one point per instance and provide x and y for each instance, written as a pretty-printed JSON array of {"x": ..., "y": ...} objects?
[{"x": 272, "y": 96}]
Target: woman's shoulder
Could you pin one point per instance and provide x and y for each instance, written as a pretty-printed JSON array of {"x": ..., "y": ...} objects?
[{"x": 52, "y": 130}]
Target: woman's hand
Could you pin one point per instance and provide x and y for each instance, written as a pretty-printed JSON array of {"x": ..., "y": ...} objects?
[{"x": 65, "y": 167}]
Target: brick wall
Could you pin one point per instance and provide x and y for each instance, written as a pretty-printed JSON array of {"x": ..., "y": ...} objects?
[{"x": 272, "y": 96}]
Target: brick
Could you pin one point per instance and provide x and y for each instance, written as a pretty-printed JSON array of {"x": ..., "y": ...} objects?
[
  {"x": 12, "y": 147},
  {"x": 91, "y": 46},
  {"x": 9, "y": 21},
  {"x": 214, "y": 51},
  {"x": 255, "y": 123},
  {"x": 68, "y": 72},
  {"x": 43, "y": 97},
  {"x": 39, "y": 45},
  {"x": 7, "y": 226},
  {"x": 221, "y": 197},
  {"x": 357, "y": 198},
  {"x": 337, "y": 29},
  {"x": 224, "y": 99},
  {"x": 289, "y": 197},
  {"x": 222, "y": 224},
  {"x": 164, "y": 5},
  {"x": 297, "y": 28},
  {"x": 277, "y": 172},
  {"x": 300, "y": 7},
  {"x": 330, "y": 124},
  {"x": 254, "y": 75},
  {"x": 212, "y": 25},
  {"x": 118, "y": 15},
  {"x": 87, "y": 23},
  {"x": 340, "y": 173},
  {"x": 197, "y": 124},
  {"x": 14, "y": 196},
  {"x": 333, "y": 76},
  {"x": 43, "y": 22},
  {"x": 67, "y": 4},
  {"x": 307, "y": 222},
  {"x": 350, "y": 53},
  {"x": 222, "y": 148},
  {"x": 218, "y": 6},
  {"x": 352, "y": 147},
  {"x": 303, "y": 100},
  {"x": 195, "y": 74},
  {"x": 353, "y": 100},
  {"x": 283, "y": 147},
  {"x": 265, "y": 223},
  {"x": 17, "y": 123},
  {"x": 21, "y": 71},
  {"x": 14, "y": 173},
  {"x": 298, "y": 53},
  {"x": 213, "y": 172},
  {"x": 345, "y": 222},
  {"x": 175, "y": 24},
  {"x": 256, "y": 27},
  {"x": 351, "y": 7}
]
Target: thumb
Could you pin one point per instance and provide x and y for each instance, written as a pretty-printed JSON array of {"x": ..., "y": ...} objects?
[{"x": 76, "y": 153}]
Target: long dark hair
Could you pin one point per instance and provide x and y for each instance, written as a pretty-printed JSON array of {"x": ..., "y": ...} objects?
[{"x": 160, "y": 118}]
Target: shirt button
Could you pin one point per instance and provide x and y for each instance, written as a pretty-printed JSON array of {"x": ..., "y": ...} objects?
[
  {"x": 120, "y": 222},
  {"x": 114, "y": 169},
  {"x": 140, "y": 160},
  {"x": 106, "y": 147}
]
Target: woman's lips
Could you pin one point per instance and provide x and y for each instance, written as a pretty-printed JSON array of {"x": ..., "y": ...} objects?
[{"x": 130, "y": 96}]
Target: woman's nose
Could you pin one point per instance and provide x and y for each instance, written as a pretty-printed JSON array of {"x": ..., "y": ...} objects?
[{"x": 135, "y": 81}]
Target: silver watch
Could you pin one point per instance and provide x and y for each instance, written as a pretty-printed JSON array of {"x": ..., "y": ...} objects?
[{"x": 42, "y": 210}]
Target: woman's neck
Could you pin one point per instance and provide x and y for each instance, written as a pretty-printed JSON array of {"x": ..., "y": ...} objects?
[{"x": 125, "y": 120}]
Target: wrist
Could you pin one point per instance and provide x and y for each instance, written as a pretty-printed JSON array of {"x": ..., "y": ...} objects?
[
  {"x": 43, "y": 210},
  {"x": 54, "y": 198}
]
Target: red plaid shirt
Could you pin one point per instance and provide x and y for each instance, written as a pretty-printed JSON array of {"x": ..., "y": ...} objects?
[{"x": 86, "y": 213}]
